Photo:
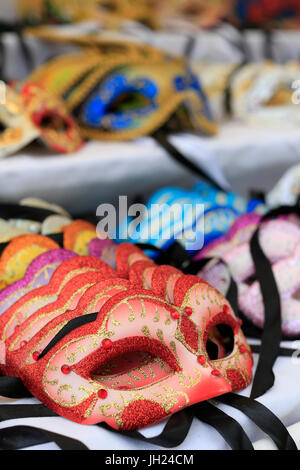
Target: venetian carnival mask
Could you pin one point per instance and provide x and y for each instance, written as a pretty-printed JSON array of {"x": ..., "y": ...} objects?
[
  {"x": 280, "y": 242},
  {"x": 263, "y": 94},
  {"x": 125, "y": 90},
  {"x": 19, "y": 251},
  {"x": 175, "y": 214},
  {"x": 31, "y": 216},
  {"x": 152, "y": 349}
]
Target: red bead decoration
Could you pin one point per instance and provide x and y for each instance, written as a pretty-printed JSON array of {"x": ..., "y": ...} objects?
[
  {"x": 201, "y": 360},
  {"x": 188, "y": 311},
  {"x": 102, "y": 393},
  {"x": 107, "y": 343},
  {"x": 215, "y": 373},
  {"x": 35, "y": 355},
  {"x": 23, "y": 343},
  {"x": 175, "y": 315},
  {"x": 238, "y": 326},
  {"x": 65, "y": 369},
  {"x": 242, "y": 349},
  {"x": 225, "y": 308}
]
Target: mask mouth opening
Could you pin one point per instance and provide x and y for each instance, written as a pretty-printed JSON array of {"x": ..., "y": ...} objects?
[
  {"x": 2, "y": 128},
  {"x": 220, "y": 342}
]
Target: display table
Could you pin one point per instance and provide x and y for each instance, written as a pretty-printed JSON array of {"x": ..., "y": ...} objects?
[{"x": 249, "y": 157}]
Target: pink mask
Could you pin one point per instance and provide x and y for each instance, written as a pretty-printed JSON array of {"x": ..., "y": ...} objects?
[
  {"x": 163, "y": 363},
  {"x": 279, "y": 240}
]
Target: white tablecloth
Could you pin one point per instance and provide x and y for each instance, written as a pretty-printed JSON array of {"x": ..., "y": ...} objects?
[
  {"x": 283, "y": 399},
  {"x": 100, "y": 172}
]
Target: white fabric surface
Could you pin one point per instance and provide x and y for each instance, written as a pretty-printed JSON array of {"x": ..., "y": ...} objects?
[
  {"x": 249, "y": 157},
  {"x": 282, "y": 399}
]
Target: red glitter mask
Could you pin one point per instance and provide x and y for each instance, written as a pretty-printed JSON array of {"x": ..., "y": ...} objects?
[{"x": 144, "y": 356}]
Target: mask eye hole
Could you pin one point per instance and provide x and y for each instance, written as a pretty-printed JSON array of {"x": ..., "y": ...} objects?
[
  {"x": 109, "y": 6},
  {"x": 53, "y": 121},
  {"x": 2, "y": 127},
  {"x": 250, "y": 280},
  {"x": 220, "y": 342},
  {"x": 296, "y": 295},
  {"x": 131, "y": 371},
  {"x": 127, "y": 102}
]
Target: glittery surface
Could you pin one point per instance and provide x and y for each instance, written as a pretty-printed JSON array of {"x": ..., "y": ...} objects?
[
  {"x": 240, "y": 231},
  {"x": 105, "y": 250},
  {"x": 151, "y": 368},
  {"x": 140, "y": 413},
  {"x": 20, "y": 252},
  {"x": 38, "y": 273},
  {"x": 77, "y": 236},
  {"x": 136, "y": 273},
  {"x": 36, "y": 298}
]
